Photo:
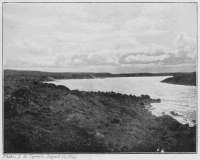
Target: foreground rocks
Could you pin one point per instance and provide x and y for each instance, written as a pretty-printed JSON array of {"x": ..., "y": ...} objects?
[{"x": 42, "y": 117}]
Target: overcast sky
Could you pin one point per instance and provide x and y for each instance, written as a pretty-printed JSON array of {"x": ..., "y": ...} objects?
[{"x": 118, "y": 38}]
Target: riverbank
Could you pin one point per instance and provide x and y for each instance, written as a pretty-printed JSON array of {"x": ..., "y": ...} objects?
[
  {"x": 182, "y": 79},
  {"x": 42, "y": 117}
]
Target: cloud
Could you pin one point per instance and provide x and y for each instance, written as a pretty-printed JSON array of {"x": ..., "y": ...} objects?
[
  {"x": 185, "y": 46},
  {"x": 98, "y": 36},
  {"x": 94, "y": 59},
  {"x": 144, "y": 58}
]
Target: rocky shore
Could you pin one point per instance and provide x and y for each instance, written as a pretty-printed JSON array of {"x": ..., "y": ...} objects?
[{"x": 41, "y": 117}]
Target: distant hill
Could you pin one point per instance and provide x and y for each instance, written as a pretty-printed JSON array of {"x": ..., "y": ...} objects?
[
  {"x": 182, "y": 79},
  {"x": 38, "y": 75}
]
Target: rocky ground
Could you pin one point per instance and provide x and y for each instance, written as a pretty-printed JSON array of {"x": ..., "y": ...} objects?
[{"x": 42, "y": 117}]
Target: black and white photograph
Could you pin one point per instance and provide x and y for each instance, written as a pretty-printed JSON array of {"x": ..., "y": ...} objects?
[{"x": 99, "y": 77}]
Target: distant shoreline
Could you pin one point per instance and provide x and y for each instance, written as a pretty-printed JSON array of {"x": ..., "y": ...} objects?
[{"x": 187, "y": 78}]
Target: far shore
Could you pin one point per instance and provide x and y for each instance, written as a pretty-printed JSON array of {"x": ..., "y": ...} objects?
[{"x": 181, "y": 78}]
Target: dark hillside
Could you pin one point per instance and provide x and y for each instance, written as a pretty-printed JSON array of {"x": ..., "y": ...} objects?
[{"x": 182, "y": 79}]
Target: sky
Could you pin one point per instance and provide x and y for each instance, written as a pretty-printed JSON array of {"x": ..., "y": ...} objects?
[{"x": 99, "y": 37}]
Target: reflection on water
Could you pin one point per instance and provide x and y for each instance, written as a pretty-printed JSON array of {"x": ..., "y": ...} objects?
[{"x": 180, "y": 99}]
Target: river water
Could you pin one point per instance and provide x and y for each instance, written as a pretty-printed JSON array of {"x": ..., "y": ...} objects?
[{"x": 178, "y": 101}]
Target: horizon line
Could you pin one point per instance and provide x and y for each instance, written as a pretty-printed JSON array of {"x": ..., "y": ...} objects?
[{"x": 99, "y": 72}]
